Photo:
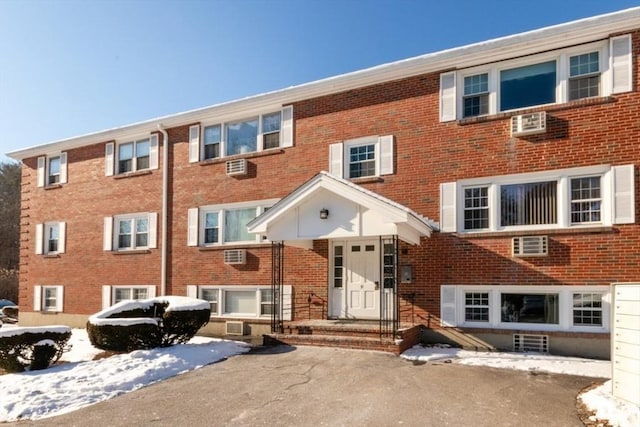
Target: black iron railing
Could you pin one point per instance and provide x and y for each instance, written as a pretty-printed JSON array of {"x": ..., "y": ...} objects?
[
  {"x": 389, "y": 321},
  {"x": 277, "y": 274}
]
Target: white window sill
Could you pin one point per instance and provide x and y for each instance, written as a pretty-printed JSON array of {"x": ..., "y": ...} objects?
[
  {"x": 131, "y": 251},
  {"x": 132, "y": 174},
  {"x": 590, "y": 229}
]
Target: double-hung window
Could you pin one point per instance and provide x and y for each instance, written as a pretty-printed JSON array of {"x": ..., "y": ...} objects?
[
  {"x": 583, "y": 196},
  {"x": 50, "y": 238},
  {"x": 584, "y": 75},
  {"x": 587, "y": 309},
  {"x": 130, "y": 232},
  {"x": 362, "y": 157},
  {"x": 133, "y": 156},
  {"x": 248, "y": 135},
  {"x": 52, "y": 170},
  {"x": 48, "y": 298},
  {"x": 224, "y": 224},
  {"x": 122, "y": 293},
  {"x": 590, "y": 70},
  {"x": 476, "y": 306},
  {"x": 476, "y": 95}
]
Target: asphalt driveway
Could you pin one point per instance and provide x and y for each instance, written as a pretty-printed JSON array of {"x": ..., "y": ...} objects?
[{"x": 309, "y": 386}]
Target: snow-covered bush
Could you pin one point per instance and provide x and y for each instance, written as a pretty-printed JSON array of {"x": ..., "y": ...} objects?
[
  {"x": 32, "y": 348},
  {"x": 143, "y": 324}
]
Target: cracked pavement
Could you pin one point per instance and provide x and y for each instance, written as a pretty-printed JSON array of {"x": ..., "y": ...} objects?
[{"x": 311, "y": 386}]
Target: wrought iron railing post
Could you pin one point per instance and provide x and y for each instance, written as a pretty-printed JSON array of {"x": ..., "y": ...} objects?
[{"x": 277, "y": 274}]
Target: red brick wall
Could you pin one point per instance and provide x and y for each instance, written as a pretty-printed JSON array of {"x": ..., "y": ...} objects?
[{"x": 428, "y": 153}]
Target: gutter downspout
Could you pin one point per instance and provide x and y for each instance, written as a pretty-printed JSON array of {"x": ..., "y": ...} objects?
[{"x": 165, "y": 197}]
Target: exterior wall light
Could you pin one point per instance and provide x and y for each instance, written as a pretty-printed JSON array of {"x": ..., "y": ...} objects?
[{"x": 324, "y": 213}]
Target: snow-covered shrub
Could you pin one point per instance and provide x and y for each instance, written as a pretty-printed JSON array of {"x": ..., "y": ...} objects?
[
  {"x": 32, "y": 348},
  {"x": 143, "y": 324}
]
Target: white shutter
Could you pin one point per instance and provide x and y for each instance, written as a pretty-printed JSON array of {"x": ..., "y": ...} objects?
[
  {"x": 106, "y": 297},
  {"x": 192, "y": 291},
  {"x": 448, "y": 96},
  {"x": 623, "y": 194},
  {"x": 63, "y": 168},
  {"x": 335, "y": 159},
  {"x": 386, "y": 154},
  {"x": 286, "y": 129},
  {"x": 62, "y": 230},
  {"x": 107, "y": 239},
  {"x": 153, "y": 230},
  {"x": 59, "y": 299},
  {"x": 109, "y": 158},
  {"x": 448, "y": 207},
  {"x": 192, "y": 227},
  {"x": 448, "y": 305},
  {"x": 153, "y": 151},
  {"x": 39, "y": 240},
  {"x": 287, "y": 304},
  {"x": 621, "y": 63},
  {"x": 194, "y": 143},
  {"x": 40, "y": 173},
  {"x": 151, "y": 291},
  {"x": 37, "y": 298}
]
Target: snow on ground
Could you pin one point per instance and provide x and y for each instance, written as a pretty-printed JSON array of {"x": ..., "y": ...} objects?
[
  {"x": 82, "y": 381},
  {"x": 599, "y": 399}
]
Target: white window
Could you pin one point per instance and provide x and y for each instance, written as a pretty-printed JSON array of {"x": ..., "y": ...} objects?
[
  {"x": 362, "y": 157},
  {"x": 130, "y": 232},
  {"x": 240, "y": 301},
  {"x": 50, "y": 238},
  {"x": 576, "y": 197},
  {"x": 224, "y": 224},
  {"x": 114, "y": 294},
  {"x": 52, "y": 170},
  {"x": 139, "y": 154},
  {"x": 587, "y": 309},
  {"x": 48, "y": 298},
  {"x": 590, "y": 70},
  {"x": 525, "y": 307},
  {"x": 247, "y": 135}
]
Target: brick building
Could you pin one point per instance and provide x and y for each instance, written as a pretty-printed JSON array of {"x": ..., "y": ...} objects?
[{"x": 487, "y": 194}]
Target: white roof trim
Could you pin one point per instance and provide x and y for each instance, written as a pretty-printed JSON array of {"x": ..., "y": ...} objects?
[
  {"x": 549, "y": 38},
  {"x": 392, "y": 211}
]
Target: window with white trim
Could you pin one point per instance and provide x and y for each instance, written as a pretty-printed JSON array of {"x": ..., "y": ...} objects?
[
  {"x": 48, "y": 298},
  {"x": 249, "y": 135},
  {"x": 133, "y": 156},
  {"x": 122, "y": 293},
  {"x": 138, "y": 154},
  {"x": 130, "y": 231},
  {"x": 238, "y": 301},
  {"x": 225, "y": 224},
  {"x": 527, "y": 307},
  {"x": 50, "y": 238},
  {"x": 363, "y": 157},
  {"x": 52, "y": 170},
  {"x": 584, "y": 196},
  {"x": 554, "y": 77},
  {"x": 587, "y": 309},
  {"x": 476, "y": 306}
]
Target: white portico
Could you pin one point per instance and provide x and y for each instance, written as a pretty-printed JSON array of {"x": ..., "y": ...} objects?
[{"x": 362, "y": 228}]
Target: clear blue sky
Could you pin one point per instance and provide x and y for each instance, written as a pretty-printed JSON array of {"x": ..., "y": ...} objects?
[{"x": 72, "y": 67}]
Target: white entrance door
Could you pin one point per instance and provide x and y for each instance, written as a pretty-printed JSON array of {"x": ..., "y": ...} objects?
[{"x": 362, "y": 287}]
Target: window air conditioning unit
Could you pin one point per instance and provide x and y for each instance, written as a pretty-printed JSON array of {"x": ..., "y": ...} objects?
[
  {"x": 234, "y": 327},
  {"x": 530, "y": 246},
  {"x": 529, "y": 124},
  {"x": 235, "y": 256},
  {"x": 531, "y": 343},
  {"x": 236, "y": 167}
]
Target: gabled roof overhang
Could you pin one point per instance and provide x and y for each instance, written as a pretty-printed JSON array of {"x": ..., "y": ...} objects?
[{"x": 354, "y": 212}]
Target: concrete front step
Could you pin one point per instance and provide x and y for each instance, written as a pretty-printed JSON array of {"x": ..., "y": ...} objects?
[{"x": 339, "y": 341}]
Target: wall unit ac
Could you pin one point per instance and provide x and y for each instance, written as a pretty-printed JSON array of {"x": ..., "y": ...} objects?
[
  {"x": 233, "y": 327},
  {"x": 531, "y": 343},
  {"x": 237, "y": 167},
  {"x": 530, "y": 246},
  {"x": 235, "y": 256},
  {"x": 529, "y": 124}
]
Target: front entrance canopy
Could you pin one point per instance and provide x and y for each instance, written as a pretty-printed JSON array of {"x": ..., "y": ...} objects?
[{"x": 351, "y": 212}]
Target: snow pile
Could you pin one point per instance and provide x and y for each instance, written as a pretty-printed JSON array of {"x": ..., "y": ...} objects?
[
  {"x": 11, "y": 331},
  {"x": 617, "y": 412},
  {"x": 109, "y": 316}
]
